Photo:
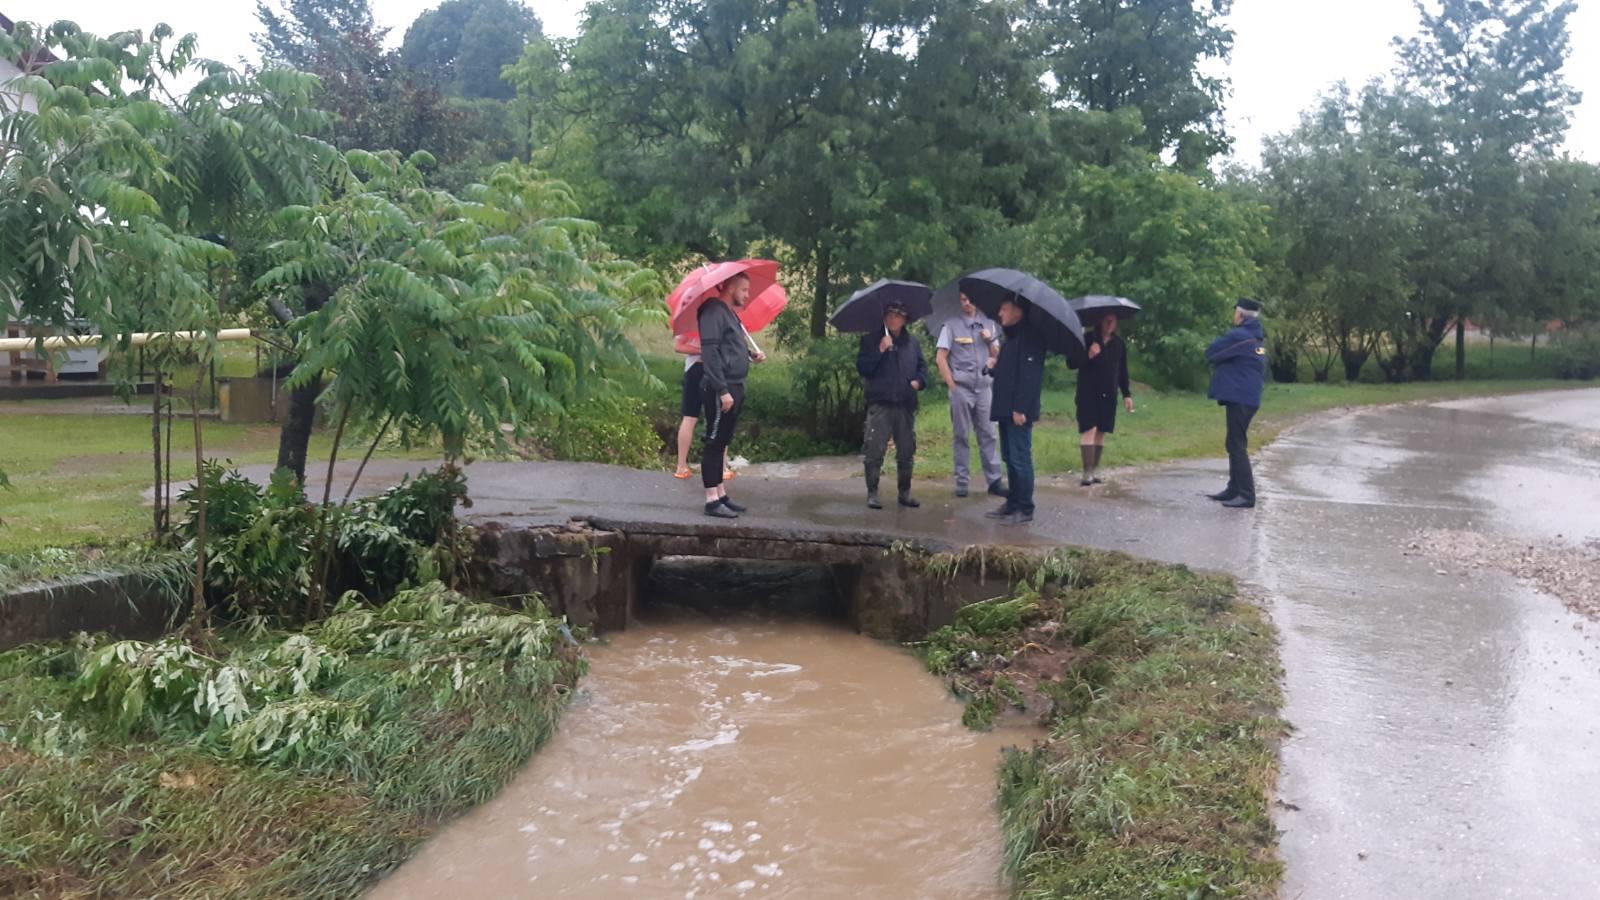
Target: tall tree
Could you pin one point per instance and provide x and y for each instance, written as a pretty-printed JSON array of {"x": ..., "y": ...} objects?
[
  {"x": 1145, "y": 55},
  {"x": 1489, "y": 73},
  {"x": 1347, "y": 209},
  {"x": 466, "y": 45}
]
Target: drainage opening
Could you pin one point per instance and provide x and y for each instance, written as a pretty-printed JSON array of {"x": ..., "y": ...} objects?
[{"x": 715, "y": 586}]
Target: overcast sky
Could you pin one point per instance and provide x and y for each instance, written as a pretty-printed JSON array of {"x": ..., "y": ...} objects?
[{"x": 1285, "y": 51}]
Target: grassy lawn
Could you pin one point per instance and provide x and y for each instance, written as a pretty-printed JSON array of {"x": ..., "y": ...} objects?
[
  {"x": 1169, "y": 426},
  {"x": 80, "y": 478},
  {"x": 1161, "y": 687},
  {"x": 357, "y": 737}
]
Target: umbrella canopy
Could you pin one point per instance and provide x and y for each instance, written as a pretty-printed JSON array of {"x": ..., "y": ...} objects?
[
  {"x": 767, "y": 297},
  {"x": 947, "y": 300},
  {"x": 863, "y": 312},
  {"x": 1050, "y": 313},
  {"x": 1093, "y": 308}
]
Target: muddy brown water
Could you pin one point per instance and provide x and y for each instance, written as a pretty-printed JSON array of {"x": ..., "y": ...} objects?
[{"x": 739, "y": 753}]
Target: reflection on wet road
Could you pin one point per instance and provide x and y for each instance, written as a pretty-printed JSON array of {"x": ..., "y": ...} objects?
[{"x": 1447, "y": 727}]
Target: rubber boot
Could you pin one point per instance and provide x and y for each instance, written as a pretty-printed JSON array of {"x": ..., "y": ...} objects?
[
  {"x": 906, "y": 499},
  {"x": 1095, "y": 477},
  {"x": 1087, "y": 451},
  {"x": 872, "y": 487}
]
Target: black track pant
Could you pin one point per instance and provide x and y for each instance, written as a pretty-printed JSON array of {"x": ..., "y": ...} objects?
[{"x": 719, "y": 432}]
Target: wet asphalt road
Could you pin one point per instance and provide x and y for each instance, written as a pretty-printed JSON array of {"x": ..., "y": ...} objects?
[{"x": 1446, "y": 738}]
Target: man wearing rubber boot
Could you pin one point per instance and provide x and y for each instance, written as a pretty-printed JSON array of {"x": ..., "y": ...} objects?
[
  {"x": 967, "y": 349},
  {"x": 892, "y": 367},
  {"x": 1238, "y": 375}
]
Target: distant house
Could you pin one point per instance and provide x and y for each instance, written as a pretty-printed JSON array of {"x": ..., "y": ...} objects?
[{"x": 85, "y": 361}]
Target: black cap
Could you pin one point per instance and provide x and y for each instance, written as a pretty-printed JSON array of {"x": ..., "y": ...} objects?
[
  {"x": 895, "y": 306},
  {"x": 1248, "y": 305}
]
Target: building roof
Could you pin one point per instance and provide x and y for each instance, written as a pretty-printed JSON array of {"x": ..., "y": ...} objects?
[{"x": 34, "y": 61}]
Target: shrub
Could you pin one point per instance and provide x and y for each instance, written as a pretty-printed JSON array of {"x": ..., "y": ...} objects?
[
  {"x": 1575, "y": 353},
  {"x": 614, "y": 430}
]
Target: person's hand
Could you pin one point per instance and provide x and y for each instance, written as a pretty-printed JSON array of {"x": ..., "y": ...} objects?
[
  {"x": 916, "y": 385},
  {"x": 758, "y": 356},
  {"x": 1094, "y": 350},
  {"x": 885, "y": 344},
  {"x": 727, "y": 402},
  {"x": 950, "y": 384},
  {"x": 987, "y": 335},
  {"x": 1018, "y": 419},
  {"x": 1128, "y": 403}
]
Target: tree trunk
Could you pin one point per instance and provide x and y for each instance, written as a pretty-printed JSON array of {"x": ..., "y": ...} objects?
[
  {"x": 1353, "y": 361},
  {"x": 1461, "y": 348},
  {"x": 295, "y": 437},
  {"x": 200, "y": 616},
  {"x": 819, "y": 299},
  {"x": 1533, "y": 347},
  {"x": 155, "y": 444}
]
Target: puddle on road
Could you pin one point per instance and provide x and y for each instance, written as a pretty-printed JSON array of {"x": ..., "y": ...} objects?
[{"x": 738, "y": 754}]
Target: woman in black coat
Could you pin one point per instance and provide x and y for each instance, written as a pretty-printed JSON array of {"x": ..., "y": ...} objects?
[{"x": 1102, "y": 375}]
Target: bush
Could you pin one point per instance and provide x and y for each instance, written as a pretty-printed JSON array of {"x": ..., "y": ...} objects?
[
  {"x": 262, "y": 556},
  {"x": 615, "y": 430},
  {"x": 1575, "y": 353}
]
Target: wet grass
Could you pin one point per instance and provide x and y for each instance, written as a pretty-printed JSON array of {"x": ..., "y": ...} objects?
[
  {"x": 173, "y": 807},
  {"x": 1160, "y": 689}
]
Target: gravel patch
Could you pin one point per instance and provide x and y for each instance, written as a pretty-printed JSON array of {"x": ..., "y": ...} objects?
[{"x": 1570, "y": 573}]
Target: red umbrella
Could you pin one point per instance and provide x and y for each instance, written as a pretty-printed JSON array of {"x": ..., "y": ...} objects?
[{"x": 767, "y": 297}]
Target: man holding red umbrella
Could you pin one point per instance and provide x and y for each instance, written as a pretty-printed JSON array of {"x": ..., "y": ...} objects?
[{"x": 711, "y": 308}]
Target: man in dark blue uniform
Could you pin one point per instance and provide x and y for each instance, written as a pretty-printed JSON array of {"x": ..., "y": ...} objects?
[
  {"x": 893, "y": 372},
  {"x": 1238, "y": 374},
  {"x": 1018, "y": 384}
]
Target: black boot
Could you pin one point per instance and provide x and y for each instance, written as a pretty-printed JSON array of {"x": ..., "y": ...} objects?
[
  {"x": 997, "y": 488},
  {"x": 728, "y": 502},
  {"x": 1224, "y": 495},
  {"x": 1095, "y": 478},
  {"x": 872, "y": 487},
  {"x": 1240, "y": 502},
  {"x": 906, "y": 499},
  {"x": 1087, "y": 451},
  {"x": 717, "y": 511}
]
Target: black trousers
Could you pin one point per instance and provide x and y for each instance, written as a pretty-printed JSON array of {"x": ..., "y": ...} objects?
[
  {"x": 884, "y": 422},
  {"x": 1241, "y": 480},
  {"x": 719, "y": 432}
]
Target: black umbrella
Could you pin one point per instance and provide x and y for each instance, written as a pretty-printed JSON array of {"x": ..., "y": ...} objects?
[
  {"x": 863, "y": 312},
  {"x": 1050, "y": 313},
  {"x": 1093, "y": 308}
]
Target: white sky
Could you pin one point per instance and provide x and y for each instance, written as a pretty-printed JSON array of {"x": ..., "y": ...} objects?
[{"x": 1285, "y": 51}]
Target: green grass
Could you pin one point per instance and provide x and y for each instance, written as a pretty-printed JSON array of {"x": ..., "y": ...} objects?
[
  {"x": 171, "y": 806},
  {"x": 80, "y": 479},
  {"x": 1162, "y": 687},
  {"x": 1168, "y": 426}
]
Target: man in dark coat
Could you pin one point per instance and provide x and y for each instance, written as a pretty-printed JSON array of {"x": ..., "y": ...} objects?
[
  {"x": 892, "y": 367},
  {"x": 1018, "y": 383},
  {"x": 1238, "y": 375}
]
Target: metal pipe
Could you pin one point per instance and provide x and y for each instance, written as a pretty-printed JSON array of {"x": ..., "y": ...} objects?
[{"x": 139, "y": 339}]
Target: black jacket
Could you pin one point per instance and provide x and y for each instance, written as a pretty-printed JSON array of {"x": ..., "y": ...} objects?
[
  {"x": 1107, "y": 373},
  {"x": 1018, "y": 375},
  {"x": 722, "y": 346},
  {"x": 888, "y": 375}
]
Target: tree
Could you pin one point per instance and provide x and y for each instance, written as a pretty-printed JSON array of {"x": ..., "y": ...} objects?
[
  {"x": 449, "y": 319},
  {"x": 1492, "y": 97},
  {"x": 467, "y": 44},
  {"x": 1149, "y": 56},
  {"x": 707, "y": 127},
  {"x": 1347, "y": 209}
]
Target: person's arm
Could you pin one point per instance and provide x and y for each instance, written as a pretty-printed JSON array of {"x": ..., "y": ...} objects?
[
  {"x": 941, "y": 358},
  {"x": 712, "y": 337},
  {"x": 1236, "y": 343},
  {"x": 1030, "y": 381},
  {"x": 920, "y": 382},
  {"x": 869, "y": 357},
  {"x": 1122, "y": 372}
]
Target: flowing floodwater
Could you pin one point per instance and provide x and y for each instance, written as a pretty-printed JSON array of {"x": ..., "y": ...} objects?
[{"x": 738, "y": 754}]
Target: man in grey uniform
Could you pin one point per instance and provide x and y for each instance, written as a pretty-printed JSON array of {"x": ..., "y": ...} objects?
[{"x": 967, "y": 349}]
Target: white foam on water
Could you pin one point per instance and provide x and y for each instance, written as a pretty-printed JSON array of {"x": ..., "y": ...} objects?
[
  {"x": 727, "y": 735},
  {"x": 745, "y": 885},
  {"x": 768, "y": 870},
  {"x": 726, "y": 857},
  {"x": 638, "y": 858},
  {"x": 706, "y": 844},
  {"x": 718, "y": 827},
  {"x": 752, "y": 839}
]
